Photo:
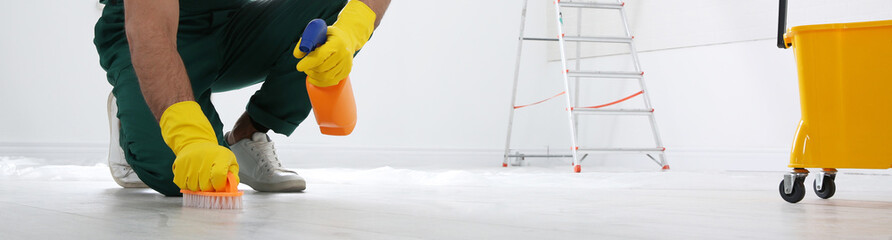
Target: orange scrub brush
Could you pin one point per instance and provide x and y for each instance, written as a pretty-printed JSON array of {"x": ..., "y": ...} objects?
[{"x": 231, "y": 198}]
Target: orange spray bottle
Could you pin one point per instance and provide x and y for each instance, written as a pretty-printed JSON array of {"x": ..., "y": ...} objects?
[{"x": 334, "y": 106}]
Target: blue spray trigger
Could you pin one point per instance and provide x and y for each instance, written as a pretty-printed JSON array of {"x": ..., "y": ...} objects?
[{"x": 314, "y": 35}]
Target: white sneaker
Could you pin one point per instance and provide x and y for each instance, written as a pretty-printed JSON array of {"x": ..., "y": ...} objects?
[
  {"x": 120, "y": 170},
  {"x": 259, "y": 167}
]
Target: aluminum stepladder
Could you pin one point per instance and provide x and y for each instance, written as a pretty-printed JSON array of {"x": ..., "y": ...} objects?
[{"x": 572, "y": 111}]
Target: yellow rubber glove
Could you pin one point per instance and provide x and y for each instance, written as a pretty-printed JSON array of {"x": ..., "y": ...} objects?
[
  {"x": 333, "y": 61},
  {"x": 201, "y": 163}
]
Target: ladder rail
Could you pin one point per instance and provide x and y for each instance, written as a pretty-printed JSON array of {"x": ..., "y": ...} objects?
[
  {"x": 560, "y": 27},
  {"x": 658, "y": 140},
  {"x": 523, "y": 17},
  {"x": 578, "y": 63}
]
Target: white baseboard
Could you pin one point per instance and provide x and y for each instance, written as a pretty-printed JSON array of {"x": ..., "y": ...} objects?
[
  {"x": 57, "y": 153},
  {"x": 326, "y": 156}
]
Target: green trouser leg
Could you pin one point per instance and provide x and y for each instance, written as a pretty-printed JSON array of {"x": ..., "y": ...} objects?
[{"x": 222, "y": 49}]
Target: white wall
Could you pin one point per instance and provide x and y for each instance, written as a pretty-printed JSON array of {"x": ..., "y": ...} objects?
[{"x": 434, "y": 84}]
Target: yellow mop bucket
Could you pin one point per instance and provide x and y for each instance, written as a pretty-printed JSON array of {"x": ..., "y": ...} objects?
[{"x": 845, "y": 88}]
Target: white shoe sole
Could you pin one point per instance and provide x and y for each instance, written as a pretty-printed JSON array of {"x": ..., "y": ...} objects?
[{"x": 292, "y": 186}]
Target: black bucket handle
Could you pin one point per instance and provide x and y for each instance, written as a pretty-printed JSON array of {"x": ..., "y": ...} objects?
[{"x": 782, "y": 24}]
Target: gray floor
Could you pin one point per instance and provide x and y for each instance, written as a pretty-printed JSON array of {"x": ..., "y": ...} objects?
[{"x": 482, "y": 204}]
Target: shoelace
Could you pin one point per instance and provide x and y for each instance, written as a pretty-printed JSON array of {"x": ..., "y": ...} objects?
[{"x": 267, "y": 151}]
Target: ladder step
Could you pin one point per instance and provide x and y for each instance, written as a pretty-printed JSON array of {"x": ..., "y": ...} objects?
[
  {"x": 586, "y": 39},
  {"x": 599, "y": 39},
  {"x": 541, "y": 155},
  {"x": 613, "y": 111},
  {"x": 637, "y": 150},
  {"x": 592, "y": 5},
  {"x": 605, "y": 74}
]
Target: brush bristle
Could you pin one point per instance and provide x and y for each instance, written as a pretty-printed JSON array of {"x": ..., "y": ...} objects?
[{"x": 212, "y": 202}]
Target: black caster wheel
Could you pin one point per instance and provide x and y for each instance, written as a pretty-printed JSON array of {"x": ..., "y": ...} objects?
[
  {"x": 828, "y": 188},
  {"x": 797, "y": 194}
]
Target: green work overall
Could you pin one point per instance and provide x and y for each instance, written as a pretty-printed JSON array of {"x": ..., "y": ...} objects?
[{"x": 225, "y": 45}]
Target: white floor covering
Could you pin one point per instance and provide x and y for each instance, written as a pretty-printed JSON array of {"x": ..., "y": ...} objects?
[{"x": 82, "y": 202}]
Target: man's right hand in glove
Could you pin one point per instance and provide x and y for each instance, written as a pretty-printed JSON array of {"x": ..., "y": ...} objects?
[{"x": 201, "y": 163}]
